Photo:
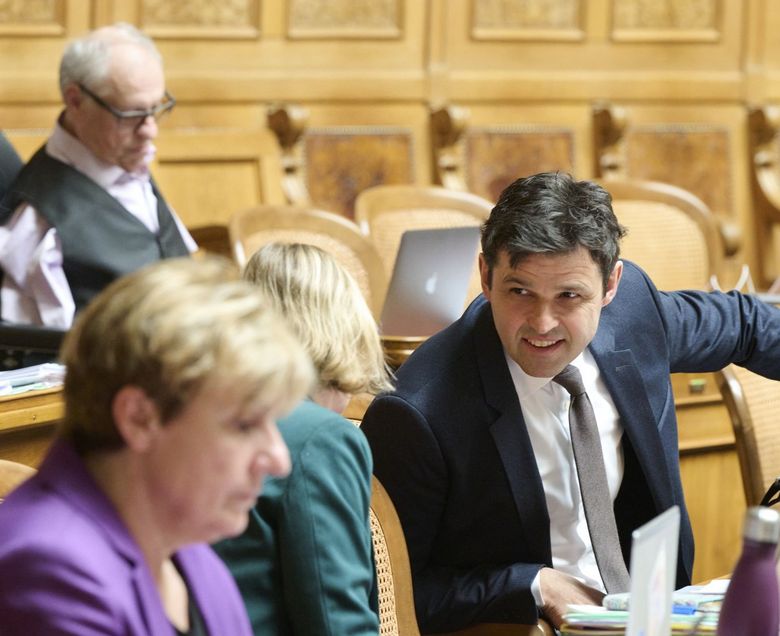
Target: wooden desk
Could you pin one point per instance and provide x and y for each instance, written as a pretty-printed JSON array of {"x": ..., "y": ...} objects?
[
  {"x": 708, "y": 460},
  {"x": 27, "y": 423}
]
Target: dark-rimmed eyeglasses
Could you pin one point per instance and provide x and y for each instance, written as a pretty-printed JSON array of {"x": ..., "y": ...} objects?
[{"x": 134, "y": 118}]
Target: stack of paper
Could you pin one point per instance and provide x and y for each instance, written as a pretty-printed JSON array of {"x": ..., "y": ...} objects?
[
  {"x": 695, "y": 611},
  {"x": 39, "y": 376}
]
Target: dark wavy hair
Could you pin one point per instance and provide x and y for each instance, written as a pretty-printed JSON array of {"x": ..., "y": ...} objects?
[{"x": 551, "y": 213}]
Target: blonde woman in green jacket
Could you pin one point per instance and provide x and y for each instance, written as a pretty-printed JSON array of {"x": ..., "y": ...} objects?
[{"x": 304, "y": 565}]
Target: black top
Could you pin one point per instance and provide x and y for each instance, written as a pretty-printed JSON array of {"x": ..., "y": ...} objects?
[
  {"x": 10, "y": 164},
  {"x": 197, "y": 626}
]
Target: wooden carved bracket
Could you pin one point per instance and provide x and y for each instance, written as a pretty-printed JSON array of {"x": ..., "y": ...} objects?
[
  {"x": 763, "y": 130},
  {"x": 288, "y": 122},
  {"x": 609, "y": 128},
  {"x": 447, "y": 126}
]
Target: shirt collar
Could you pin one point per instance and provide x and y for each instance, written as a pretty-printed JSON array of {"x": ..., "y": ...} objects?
[
  {"x": 527, "y": 385},
  {"x": 70, "y": 150}
]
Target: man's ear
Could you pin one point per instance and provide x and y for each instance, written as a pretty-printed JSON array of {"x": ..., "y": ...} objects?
[
  {"x": 612, "y": 283},
  {"x": 72, "y": 96},
  {"x": 484, "y": 275},
  {"x": 136, "y": 417}
]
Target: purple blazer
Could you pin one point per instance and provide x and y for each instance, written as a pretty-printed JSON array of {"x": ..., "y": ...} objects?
[{"x": 69, "y": 565}]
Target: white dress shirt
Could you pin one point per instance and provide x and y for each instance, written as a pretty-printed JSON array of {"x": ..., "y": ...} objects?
[
  {"x": 545, "y": 406},
  {"x": 35, "y": 289}
]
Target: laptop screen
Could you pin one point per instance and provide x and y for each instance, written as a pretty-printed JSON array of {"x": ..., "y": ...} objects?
[{"x": 430, "y": 280}]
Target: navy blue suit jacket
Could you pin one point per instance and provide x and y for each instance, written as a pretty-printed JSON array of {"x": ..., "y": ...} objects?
[{"x": 452, "y": 450}]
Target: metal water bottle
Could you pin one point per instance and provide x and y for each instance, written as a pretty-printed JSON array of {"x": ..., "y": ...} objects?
[{"x": 751, "y": 606}]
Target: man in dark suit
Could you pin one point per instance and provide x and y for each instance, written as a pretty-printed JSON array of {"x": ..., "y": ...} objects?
[{"x": 474, "y": 445}]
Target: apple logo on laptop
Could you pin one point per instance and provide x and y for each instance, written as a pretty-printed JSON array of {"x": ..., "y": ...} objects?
[{"x": 430, "y": 283}]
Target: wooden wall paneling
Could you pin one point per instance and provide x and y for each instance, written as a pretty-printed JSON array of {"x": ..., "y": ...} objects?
[
  {"x": 700, "y": 149},
  {"x": 763, "y": 63},
  {"x": 341, "y": 162},
  {"x": 32, "y": 37},
  {"x": 494, "y": 145},
  {"x": 621, "y": 49},
  {"x": 287, "y": 50},
  {"x": 348, "y": 148},
  {"x": 207, "y": 175}
]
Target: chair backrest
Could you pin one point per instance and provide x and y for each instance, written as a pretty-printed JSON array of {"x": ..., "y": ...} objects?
[
  {"x": 671, "y": 233},
  {"x": 12, "y": 474},
  {"x": 394, "y": 577},
  {"x": 752, "y": 401},
  {"x": 384, "y": 213},
  {"x": 254, "y": 227}
]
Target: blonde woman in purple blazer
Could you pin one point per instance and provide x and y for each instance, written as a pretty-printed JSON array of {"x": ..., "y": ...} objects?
[{"x": 175, "y": 376}]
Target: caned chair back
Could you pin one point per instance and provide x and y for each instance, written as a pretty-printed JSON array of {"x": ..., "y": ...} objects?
[
  {"x": 254, "y": 227},
  {"x": 671, "y": 233},
  {"x": 752, "y": 402},
  {"x": 394, "y": 577},
  {"x": 12, "y": 474},
  {"x": 384, "y": 213}
]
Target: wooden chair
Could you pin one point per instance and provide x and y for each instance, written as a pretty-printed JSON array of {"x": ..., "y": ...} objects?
[
  {"x": 12, "y": 474},
  {"x": 394, "y": 578},
  {"x": 752, "y": 401},
  {"x": 671, "y": 233},
  {"x": 254, "y": 227},
  {"x": 384, "y": 213}
]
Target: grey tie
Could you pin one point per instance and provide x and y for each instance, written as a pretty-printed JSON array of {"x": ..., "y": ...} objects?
[{"x": 593, "y": 483}]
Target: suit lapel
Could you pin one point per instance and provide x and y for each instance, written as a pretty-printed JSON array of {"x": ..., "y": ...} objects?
[
  {"x": 511, "y": 437},
  {"x": 621, "y": 375}
]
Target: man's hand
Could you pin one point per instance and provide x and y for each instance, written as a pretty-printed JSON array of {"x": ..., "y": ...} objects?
[{"x": 559, "y": 590}]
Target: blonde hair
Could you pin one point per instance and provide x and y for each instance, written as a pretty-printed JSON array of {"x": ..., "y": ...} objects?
[
  {"x": 169, "y": 329},
  {"x": 324, "y": 306}
]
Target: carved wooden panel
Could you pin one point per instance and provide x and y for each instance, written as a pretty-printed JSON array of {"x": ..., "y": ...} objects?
[
  {"x": 369, "y": 19},
  {"x": 665, "y": 20},
  {"x": 340, "y": 163},
  {"x": 495, "y": 157},
  {"x": 32, "y": 17},
  {"x": 200, "y": 18},
  {"x": 527, "y": 20},
  {"x": 694, "y": 157}
]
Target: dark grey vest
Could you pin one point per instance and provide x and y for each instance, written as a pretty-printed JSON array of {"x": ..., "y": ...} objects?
[{"x": 101, "y": 240}]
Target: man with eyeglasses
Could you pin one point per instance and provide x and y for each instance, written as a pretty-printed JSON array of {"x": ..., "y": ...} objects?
[{"x": 84, "y": 210}]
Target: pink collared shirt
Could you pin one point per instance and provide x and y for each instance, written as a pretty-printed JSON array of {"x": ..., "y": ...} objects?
[{"x": 34, "y": 288}]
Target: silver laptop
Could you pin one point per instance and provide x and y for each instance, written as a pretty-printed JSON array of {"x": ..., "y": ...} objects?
[
  {"x": 430, "y": 280},
  {"x": 653, "y": 574}
]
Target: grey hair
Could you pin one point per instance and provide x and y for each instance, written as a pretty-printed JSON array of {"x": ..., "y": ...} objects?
[{"x": 86, "y": 60}]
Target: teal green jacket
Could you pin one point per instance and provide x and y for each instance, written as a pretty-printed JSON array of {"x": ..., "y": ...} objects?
[{"x": 305, "y": 564}]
